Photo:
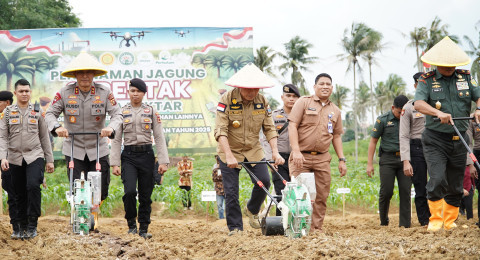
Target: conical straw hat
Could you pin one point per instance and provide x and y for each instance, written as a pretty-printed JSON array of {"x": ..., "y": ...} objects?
[
  {"x": 84, "y": 61},
  {"x": 446, "y": 53},
  {"x": 250, "y": 77}
]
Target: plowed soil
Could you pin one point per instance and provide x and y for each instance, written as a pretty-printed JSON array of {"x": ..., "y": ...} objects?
[{"x": 358, "y": 236}]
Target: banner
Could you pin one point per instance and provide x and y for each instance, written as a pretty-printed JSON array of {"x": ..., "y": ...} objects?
[{"x": 184, "y": 69}]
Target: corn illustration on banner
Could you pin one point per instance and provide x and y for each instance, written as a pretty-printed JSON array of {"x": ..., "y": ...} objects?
[{"x": 184, "y": 69}]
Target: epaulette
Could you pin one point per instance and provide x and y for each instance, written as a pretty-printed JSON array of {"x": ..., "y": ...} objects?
[
  {"x": 467, "y": 72},
  {"x": 428, "y": 74}
]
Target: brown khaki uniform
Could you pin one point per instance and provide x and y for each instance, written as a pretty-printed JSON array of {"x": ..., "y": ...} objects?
[
  {"x": 252, "y": 117},
  {"x": 84, "y": 114},
  {"x": 412, "y": 125},
  {"x": 136, "y": 129},
  {"x": 316, "y": 126},
  {"x": 26, "y": 136},
  {"x": 185, "y": 170}
]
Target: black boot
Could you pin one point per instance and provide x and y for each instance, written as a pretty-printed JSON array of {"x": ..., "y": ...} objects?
[
  {"x": 22, "y": 230},
  {"x": 16, "y": 231},
  {"x": 143, "y": 232},
  {"x": 132, "y": 226},
  {"x": 31, "y": 228}
]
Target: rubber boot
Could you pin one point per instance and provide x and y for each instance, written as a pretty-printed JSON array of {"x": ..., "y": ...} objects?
[
  {"x": 31, "y": 227},
  {"x": 16, "y": 231},
  {"x": 450, "y": 214},
  {"x": 132, "y": 226},
  {"x": 436, "y": 220},
  {"x": 143, "y": 232}
]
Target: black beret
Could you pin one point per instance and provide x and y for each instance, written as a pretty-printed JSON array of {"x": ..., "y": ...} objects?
[
  {"x": 138, "y": 83},
  {"x": 290, "y": 88},
  {"x": 6, "y": 95},
  {"x": 417, "y": 75}
]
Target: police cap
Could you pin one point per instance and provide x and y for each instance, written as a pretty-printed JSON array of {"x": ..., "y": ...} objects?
[
  {"x": 138, "y": 83},
  {"x": 290, "y": 88}
]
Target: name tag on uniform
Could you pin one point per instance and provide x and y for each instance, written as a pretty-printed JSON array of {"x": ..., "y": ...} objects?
[
  {"x": 330, "y": 127},
  {"x": 437, "y": 89},
  {"x": 462, "y": 85},
  {"x": 259, "y": 112}
]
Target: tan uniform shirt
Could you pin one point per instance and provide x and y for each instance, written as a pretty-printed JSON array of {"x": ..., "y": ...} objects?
[
  {"x": 412, "y": 125},
  {"x": 185, "y": 170},
  {"x": 26, "y": 136},
  {"x": 84, "y": 114},
  {"x": 316, "y": 123},
  {"x": 136, "y": 129},
  {"x": 280, "y": 118},
  {"x": 251, "y": 116}
]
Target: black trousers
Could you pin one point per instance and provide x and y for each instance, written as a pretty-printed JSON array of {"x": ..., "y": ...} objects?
[
  {"x": 86, "y": 166},
  {"x": 446, "y": 159},
  {"x": 391, "y": 167},
  {"x": 477, "y": 181},
  {"x": 467, "y": 204},
  {"x": 419, "y": 180},
  {"x": 137, "y": 166},
  {"x": 27, "y": 179},
  {"x": 231, "y": 187},
  {"x": 7, "y": 185},
  {"x": 187, "y": 202},
  {"x": 277, "y": 182}
]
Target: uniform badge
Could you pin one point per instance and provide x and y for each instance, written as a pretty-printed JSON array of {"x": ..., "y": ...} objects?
[
  {"x": 467, "y": 93},
  {"x": 390, "y": 124},
  {"x": 374, "y": 129},
  {"x": 126, "y": 121},
  {"x": 159, "y": 119},
  {"x": 279, "y": 116},
  {"x": 72, "y": 96},
  {"x": 403, "y": 112},
  {"x": 77, "y": 91},
  {"x": 461, "y": 94},
  {"x": 72, "y": 102},
  {"x": 462, "y": 85},
  {"x": 1, "y": 115},
  {"x": 285, "y": 89},
  {"x": 97, "y": 118},
  {"x": 97, "y": 97},
  {"x": 33, "y": 113},
  {"x": 147, "y": 120},
  {"x": 221, "y": 107},
  {"x": 92, "y": 90},
  {"x": 56, "y": 98},
  {"x": 438, "y": 105},
  {"x": 418, "y": 114},
  {"x": 112, "y": 99},
  {"x": 236, "y": 124},
  {"x": 72, "y": 119},
  {"x": 477, "y": 129},
  {"x": 43, "y": 114},
  {"x": 258, "y": 106},
  {"x": 474, "y": 82},
  {"x": 312, "y": 109},
  {"x": 236, "y": 107},
  {"x": 378, "y": 121},
  {"x": 14, "y": 121},
  {"x": 234, "y": 101},
  {"x": 126, "y": 112},
  {"x": 33, "y": 121},
  {"x": 14, "y": 113},
  {"x": 147, "y": 126},
  {"x": 279, "y": 127},
  {"x": 146, "y": 110}
]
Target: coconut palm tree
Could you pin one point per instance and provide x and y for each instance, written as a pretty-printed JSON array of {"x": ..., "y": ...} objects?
[
  {"x": 374, "y": 46},
  {"x": 363, "y": 103},
  {"x": 385, "y": 92},
  {"x": 264, "y": 59},
  {"x": 236, "y": 63},
  {"x": 355, "y": 44},
  {"x": 216, "y": 62},
  {"x": 417, "y": 40},
  {"x": 38, "y": 65},
  {"x": 15, "y": 64},
  {"x": 475, "y": 53},
  {"x": 436, "y": 33},
  {"x": 200, "y": 60},
  {"x": 296, "y": 58},
  {"x": 339, "y": 96}
]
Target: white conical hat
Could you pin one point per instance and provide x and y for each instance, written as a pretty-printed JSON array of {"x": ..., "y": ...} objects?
[
  {"x": 250, "y": 77},
  {"x": 84, "y": 61},
  {"x": 446, "y": 53}
]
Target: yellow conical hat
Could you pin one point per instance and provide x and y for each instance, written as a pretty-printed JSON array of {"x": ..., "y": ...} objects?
[
  {"x": 84, "y": 61},
  {"x": 250, "y": 76},
  {"x": 446, "y": 53}
]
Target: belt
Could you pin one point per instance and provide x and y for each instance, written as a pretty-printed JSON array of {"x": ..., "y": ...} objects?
[
  {"x": 391, "y": 153},
  {"x": 310, "y": 152},
  {"x": 449, "y": 136},
  {"x": 138, "y": 148}
]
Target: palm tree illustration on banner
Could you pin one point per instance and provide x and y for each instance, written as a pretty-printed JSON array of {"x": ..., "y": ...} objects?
[
  {"x": 236, "y": 63},
  {"x": 38, "y": 65},
  {"x": 15, "y": 65},
  {"x": 216, "y": 62}
]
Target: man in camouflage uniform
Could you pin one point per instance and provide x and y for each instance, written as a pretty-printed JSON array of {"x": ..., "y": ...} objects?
[
  {"x": 445, "y": 93},
  {"x": 387, "y": 128}
]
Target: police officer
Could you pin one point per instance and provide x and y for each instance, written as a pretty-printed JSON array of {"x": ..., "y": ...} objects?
[
  {"x": 23, "y": 129},
  {"x": 445, "y": 93},
  {"x": 6, "y": 99},
  {"x": 241, "y": 113},
  {"x": 473, "y": 133},
  {"x": 280, "y": 119},
  {"x": 137, "y": 159},
  {"x": 412, "y": 124},
  {"x": 315, "y": 123},
  {"x": 387, "y": 128},
  {"x": 85, "y": 105}
]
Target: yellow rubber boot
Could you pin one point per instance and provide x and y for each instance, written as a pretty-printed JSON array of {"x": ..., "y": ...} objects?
[
  {"x": 450, "y": 214},
  {"x": 436, "y": 220}
]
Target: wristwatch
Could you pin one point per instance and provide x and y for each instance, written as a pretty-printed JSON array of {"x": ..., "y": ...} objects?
[{"x": 342, "y": 159}]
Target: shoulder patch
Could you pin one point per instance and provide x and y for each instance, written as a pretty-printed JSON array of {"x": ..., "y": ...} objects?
[
  {"x": 467, "y": 72},
  {"x": 428, "y": 74},
  {"x": 403, "y": 112},
  {"x": 112, "y": 99},
  {"x": 221, "y": 107},
  {"x": 378, "y": 121},
  {"x": 1, "y": 115},
  {"x": 56, "y": 98}
]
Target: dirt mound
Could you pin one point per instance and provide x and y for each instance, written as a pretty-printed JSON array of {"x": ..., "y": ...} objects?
[{"x": 192, "y": 237}]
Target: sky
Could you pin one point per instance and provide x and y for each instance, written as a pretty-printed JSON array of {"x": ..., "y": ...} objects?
[{"x": 322, "y": 23}]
